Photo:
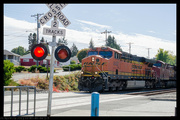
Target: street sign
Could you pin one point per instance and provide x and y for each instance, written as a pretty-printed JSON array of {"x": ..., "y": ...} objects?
[
  {"x": 58, "y": 6},
  {"x": 54, "y": 32},
  {"x": 55, "y": 10},
  {"x": 62, "y": 18}
]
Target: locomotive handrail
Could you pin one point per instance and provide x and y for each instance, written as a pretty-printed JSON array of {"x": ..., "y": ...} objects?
[{"x": 101, "y": 71}]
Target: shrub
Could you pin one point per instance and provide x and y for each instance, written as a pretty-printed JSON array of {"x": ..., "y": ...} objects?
[
  {"x": 73, "y": 62},
  {"x": 72, "y": 67},
  {"x": 32, "y": 68},
  {"x": 8, "y": 70},
  {"x": 20, "y": 68}
]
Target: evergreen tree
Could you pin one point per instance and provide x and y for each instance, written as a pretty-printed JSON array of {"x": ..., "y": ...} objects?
[
  {"x": 74, "y": 50},
  {"x": 91, "y": 44},
  {"x": 111, "y": 42},
  {"x": 32, "y": 40},
  {"x": 47, "y": 46},
  {"x": 62, "y": 41}
]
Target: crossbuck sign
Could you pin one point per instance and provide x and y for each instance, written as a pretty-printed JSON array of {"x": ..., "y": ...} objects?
[{"x": 55, "y": 10}]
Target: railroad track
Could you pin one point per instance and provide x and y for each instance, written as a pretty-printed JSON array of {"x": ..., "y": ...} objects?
[{"x": 153, "y": 92}]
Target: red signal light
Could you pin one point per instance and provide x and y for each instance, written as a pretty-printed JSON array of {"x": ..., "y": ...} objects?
[
  {"x": 62, "y": 53},
  {"x": 39, "y": 52}
]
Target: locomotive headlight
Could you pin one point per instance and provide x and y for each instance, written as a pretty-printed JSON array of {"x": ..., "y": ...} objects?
[
  {"x": 81, "y": 72},
  {"x": 92, "y": 58},
  {"x": 95, "y": 73}
]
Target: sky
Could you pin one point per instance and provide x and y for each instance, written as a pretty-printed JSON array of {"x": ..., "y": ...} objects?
[{"x": 145, "y": 25}]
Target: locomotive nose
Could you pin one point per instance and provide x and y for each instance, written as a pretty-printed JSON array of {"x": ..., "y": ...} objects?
[{"x": 96, "y": 58}]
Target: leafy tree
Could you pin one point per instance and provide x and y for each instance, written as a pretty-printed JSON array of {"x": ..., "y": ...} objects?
[
  {"x": 8, "y": 70},
  {"x": 32, "y": 40},
  {"x": 166, "y": 56},
  {"x": 62, "y": 41},
  {"x": 91, "y": 44},
  {"x": 162, "y": 55},
  {"x": 74, "y": 50},
  {"x": 20, "y": 50},
  {"x": 111, "y": 42},
  {"x": 82, "y": 54},
  {"x": 171, "y": 58}
]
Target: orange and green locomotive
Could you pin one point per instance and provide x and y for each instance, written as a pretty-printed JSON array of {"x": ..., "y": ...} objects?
[{"x": 108, "y": 69}]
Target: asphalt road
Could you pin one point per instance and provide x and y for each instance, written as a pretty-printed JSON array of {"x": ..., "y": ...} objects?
[
  {"x": 18, "y": 76},
  {"x": 111, "y": 104}
]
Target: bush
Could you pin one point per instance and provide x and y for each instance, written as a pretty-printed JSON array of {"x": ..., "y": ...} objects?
[
  {"x": 73, "y": 62},
  {"x": 8, "y": 70},
  {"x": 32, "y": 68},
  {"x": 20, "y": 68},
  {"x": 72, "y": 67},
  {"x": 62, "y": 83}
]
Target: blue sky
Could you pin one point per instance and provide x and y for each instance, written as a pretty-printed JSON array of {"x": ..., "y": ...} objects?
[{"x": 142, "y": 24}]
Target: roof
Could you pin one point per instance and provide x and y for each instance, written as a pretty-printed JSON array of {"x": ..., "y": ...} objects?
[
  {"x": 29, "y": 56},
  {"x": 6, "y": 52}
]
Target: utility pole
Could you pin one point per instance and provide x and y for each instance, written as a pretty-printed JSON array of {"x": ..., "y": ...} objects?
[
  {"x": 129, "y": 47},
  {"x": 148, "y": 52},
  {"x": 38, "y": 26},
  {"x": 105, "y": 32}
]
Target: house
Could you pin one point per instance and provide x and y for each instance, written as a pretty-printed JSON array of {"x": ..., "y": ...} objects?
[
  {"x": 27, "y": 60},
  {"x": 14, "y": 58}
]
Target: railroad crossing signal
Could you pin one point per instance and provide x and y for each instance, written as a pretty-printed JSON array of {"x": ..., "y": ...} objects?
[
  {"x": 62, "y": 53},
  {"x": 39, "y": 52}
]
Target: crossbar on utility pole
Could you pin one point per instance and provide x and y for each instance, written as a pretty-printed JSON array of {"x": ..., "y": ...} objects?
[{"x": 105, "y": 32}]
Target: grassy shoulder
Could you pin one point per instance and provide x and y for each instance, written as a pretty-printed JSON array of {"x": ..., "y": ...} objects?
[{"x": 60, "y": 83}]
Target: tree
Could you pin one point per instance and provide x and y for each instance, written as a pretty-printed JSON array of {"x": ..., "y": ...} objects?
[
  {"x": 82, "y": 54},
  {"x": 74, "y": 50},
  {"x": 111, "y": 42},
  {"x": 43, "y": 41},
  {"x": 8, "y": 70},
  {"x": 91, "y": 44},
  {"x": 171, "y": 59},
  {"x": 20, "y": 51},
  {"x": 62, "y": 41},
  {"x": 162, "y": 55},
  {"x": 32, "y": 40}
]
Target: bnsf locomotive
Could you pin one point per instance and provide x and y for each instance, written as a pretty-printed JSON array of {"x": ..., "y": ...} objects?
[{"x": 108, "y": 69}]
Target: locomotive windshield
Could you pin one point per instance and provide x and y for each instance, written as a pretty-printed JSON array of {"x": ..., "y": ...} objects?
[
  {"x": 157, "y": 64},
  {"x": 92, "y": 53},
  {"x": 106, "y": 54}
]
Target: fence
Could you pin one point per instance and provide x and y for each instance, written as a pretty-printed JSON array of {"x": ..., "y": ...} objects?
[{"x": 22, "y": 87}]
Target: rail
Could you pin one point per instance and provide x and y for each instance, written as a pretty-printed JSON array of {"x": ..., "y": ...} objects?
[{"x": 22, "y": 87}]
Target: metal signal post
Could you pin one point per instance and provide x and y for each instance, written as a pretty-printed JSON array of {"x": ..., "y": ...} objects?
[{"x": 51, "y": 75}]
